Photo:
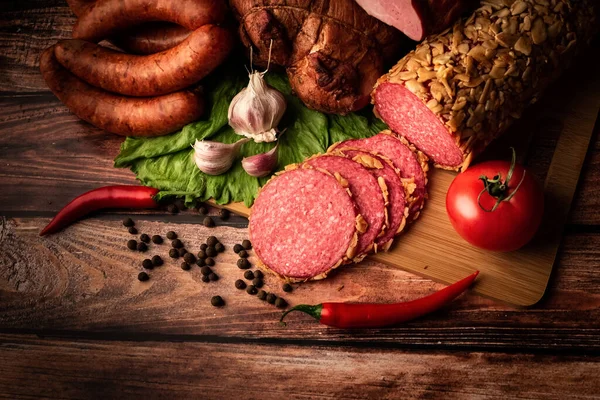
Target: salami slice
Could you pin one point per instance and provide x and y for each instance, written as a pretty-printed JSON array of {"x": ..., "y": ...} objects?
[
  {"x": 396, "y": 208},
  {"x": 369, "y": 193},
  {"x": 411, "y": 163},
  {"x": 304, "y": 223}
]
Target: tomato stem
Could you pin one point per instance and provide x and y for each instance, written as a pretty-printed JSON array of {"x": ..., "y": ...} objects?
[{"x": 497, "y": 188}]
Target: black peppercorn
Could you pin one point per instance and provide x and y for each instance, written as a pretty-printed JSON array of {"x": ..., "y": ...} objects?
[
  {"x": 208, "y": 222},
  {"x": 132, "y": 230},
  {"x": 210, "y": 251},
  {"x": 177, "y": 243},
  {"x": 205, "y": 271},
  {"x": 213, "y": 277},
  {"x": 203, "y": 210},
  {"x": 271, "y": 298},
  {"x": 128, "y": 222},
  {"x": 217, "y": 301},
  {"x": 147, "y": 263},
  {"x": 205, "y": 278},
  {"x": 157, "y": 261},
  {"x": 145, "y": 238},
  {"x": 171, "y": 235},
  {"x": 200, "y": 262},
  {"x": 180, "y": 203},
  {"x": 280, "y": 303},
  {"x": 261, "y": 294},
  {"x": 251, "y": 289},
  {"x": 142, "y": 247},
  {"x": 202, "y": 254},
  {"x": 209, "y": 261},
  {"x": 287, "y": 287},
  {"x": 182, "y": 252},
  {"x": 211, "y": 241},
  {"x": 172, "y": 208},
  {"x": 224, "y": 214},
  {"x": 243, "y": 254},
  {"x": 249, "y": 275},
  {"x": 173, "y": 253},
  {"x": 219, "y": 247},
  {"x": 240, "y": 284},
  {"x": 157, "y": 239},
  {"x": 258, "y": 274},
  {"x": 203, "y": 246},
  {"x": 246, "y": 244},
  {"x": 185, "y": 266},
  {"x": 237, "y": 248},
  {"x": 132, "y": 244},
  {"x": 189, "y": 258},
  {"x": 142, "y": 276},
  {"x": 242, "y": 263},
  {"x": 257, "y": 282}
]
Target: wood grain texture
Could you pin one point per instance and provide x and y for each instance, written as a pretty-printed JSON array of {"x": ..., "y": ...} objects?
[{"x": 33, "y": 367}]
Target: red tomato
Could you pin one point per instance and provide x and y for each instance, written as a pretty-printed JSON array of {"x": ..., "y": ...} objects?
[{"x": 514, "y": 221}]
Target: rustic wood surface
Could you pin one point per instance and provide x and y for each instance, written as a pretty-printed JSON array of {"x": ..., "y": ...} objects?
[{"x": 76, "y": 323}]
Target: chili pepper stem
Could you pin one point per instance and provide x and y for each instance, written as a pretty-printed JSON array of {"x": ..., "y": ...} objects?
[{"x": 312, "y": 310}]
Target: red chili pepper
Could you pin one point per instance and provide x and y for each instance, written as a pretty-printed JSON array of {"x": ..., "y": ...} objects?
[
  {"x": 373, "y": 315},
  {"x": 121, "y": 196}
]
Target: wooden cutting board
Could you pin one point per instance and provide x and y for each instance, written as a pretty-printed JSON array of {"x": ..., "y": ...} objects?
[{"x": 431, "y": 248}]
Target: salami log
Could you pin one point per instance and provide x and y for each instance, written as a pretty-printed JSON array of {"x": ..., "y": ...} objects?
[
  {"x": 382, "y": 167},
  {"x": 304, "y": 223},
  {"x": 411, "y": 164},
  {"x": 369, "y": 193},
  {"x": 460, "y": 89}
]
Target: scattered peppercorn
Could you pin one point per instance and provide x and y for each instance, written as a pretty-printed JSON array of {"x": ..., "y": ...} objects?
[
  {"x": 287, "y": 287},
  {"x": 209, "y": 261},
  {"x": 185, "y": 266},
  {"x": 203, "y": 246},
  {"x": 257, "y": 282},
  {"x": 258, "y": 274},
  {"x": 203, "y": 210},
  {"x": 133, "y": 230},
  {"x": 147, "y": 263},
  {"x": 237, "y": 248},
  {"x": 271, "y": 298},
  {"x": 205, "y": 278},
  {"x": 145, "y": 238},
  {"x": 219, "y": 247},
  {"x": 179, "y": 203},
  {"x": 157, "y": 261},
  {"x": 132, "y": 244},
  {"x": 202, "y": 254},
  {"x": 208, "y": 222},
  {"x": 142, "y": 276},
  {"x": 242, "y": 263},
  {"x": 157, "y": 239},
  {"x": 205, "y": 271},
  {"x": 182, "y": 252},
  {"x": 189, "y": 258},
  {"x": 249, "y": 275},
  {"x": 210, "y": 251},
  {"x": 217, "y": 301},
  {"x": 128, "y": 222},
  {"x": 240, "y": 284},
  {"x": 177, "y": 243},
  {"x": 246, "y": 244},
  {"x": 243, "y": 254},
  {"x": 173, "y": 253},
  {"x": 200, "y": 262},
  {"x": 142, "y": 247},
  {"x": 213, "y": 277},
  {"x": 212, "y": 241},
  {"x": 224, "y": 214},
  {"x": 172, "y": 208},
  {"x": 261, "y": 294},
  {"x": 251, "y": 289},
  {"x": 280, "y": 303},
  {"x": 171, "y": 235}
]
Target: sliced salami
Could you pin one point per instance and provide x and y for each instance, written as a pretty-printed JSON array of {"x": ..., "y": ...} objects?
[
  {"x": 396, "y": 208},
  {"x": 369, "y": 193},
  {"x": 411, "y": 163},
  {"x": 304, "y": 223}
]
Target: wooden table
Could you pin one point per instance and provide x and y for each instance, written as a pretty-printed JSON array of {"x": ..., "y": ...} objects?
[{"x": 76, "y": 323}]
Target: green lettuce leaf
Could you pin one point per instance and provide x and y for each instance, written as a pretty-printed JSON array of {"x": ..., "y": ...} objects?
[{"x": 166, "y": 162}]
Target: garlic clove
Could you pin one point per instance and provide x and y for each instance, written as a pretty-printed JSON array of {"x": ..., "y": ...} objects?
[
  {"x": 216, "y": 158},
  {"x": 262, "y": 164}
]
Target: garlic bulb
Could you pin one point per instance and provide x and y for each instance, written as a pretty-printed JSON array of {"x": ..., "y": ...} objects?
[
  {"x": 262, "y": 164},
  {"x": 256, "y": 111},
  {"x": 215, "y": 158}
]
